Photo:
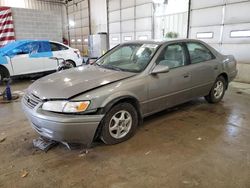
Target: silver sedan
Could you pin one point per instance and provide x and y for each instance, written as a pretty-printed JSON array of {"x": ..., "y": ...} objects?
[{"x": 110, "y": 98}]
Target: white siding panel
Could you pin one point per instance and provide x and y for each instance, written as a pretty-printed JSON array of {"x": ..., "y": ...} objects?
[
  {"x": 85, "y": 22},
  {"x": 144, "y": 10},
  {"x": 206, "y": 17},
  {"x": 144, "y": 24},
  {"x": 114, "y": 16},
  {"x": 206, "y": 3},
  {"x": 147, "y": 35},
  {"x": 114, "y": 27},
  {"x": 128, "y": 3},
  {"x": 85, "y": 13},
  {"x": 85, "y": 31},
  {"x": 234, "y": 1},
  {"x": 235, "y": 27},
  {"x": 237, "y": 13},
  {"x": 114, "y": 39},
  {"x": 128, "y": 26},
  {"x": 84, "y": 4},
  {"x": 214, "y": 29},
  {"x": 128, "y": 13},
  {"x": 127, "y": 36},
  {"x": 114, "y": 5},
  {"x": 139, "y": 2}
]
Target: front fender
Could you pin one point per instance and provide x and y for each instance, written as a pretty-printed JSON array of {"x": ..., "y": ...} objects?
[{"x": 118, "y": 96}]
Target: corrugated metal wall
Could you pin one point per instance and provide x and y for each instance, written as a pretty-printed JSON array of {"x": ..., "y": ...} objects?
[{"x": 225, "y": 24}]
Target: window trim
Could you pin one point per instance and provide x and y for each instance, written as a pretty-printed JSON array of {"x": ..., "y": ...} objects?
[
  {"x": 58, "y": 44},
  {"x": 199, "y": 43},
  {"x": 186, "y": 60}
]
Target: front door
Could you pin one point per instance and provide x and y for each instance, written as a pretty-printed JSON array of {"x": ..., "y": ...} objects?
[
  {"x": 21, "y": 59},
  {"x": 171, "y": 88},
  {"x": 32, "y": 57}
]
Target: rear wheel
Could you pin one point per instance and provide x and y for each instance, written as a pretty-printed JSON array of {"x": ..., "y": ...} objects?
[
  {"x": 70, "y": 64},
  {"x": 218, "y": 90},
  {"x": 119, "y": 124}
]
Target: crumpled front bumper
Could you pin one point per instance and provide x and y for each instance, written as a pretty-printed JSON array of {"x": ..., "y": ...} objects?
[{"x": 63, "y": 127}]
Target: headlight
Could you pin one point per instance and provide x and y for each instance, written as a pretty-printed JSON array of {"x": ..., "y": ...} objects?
[{"x": 66, "y": 106}]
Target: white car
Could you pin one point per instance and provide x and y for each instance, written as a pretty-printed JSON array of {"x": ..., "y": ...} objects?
[{"x": 34, "y": 56}]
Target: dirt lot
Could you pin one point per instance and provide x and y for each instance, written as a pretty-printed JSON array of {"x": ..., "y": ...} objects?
[{"x": 193, "y": 145}]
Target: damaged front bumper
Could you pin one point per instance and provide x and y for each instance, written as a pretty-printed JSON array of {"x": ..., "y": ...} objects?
[{"x": 63, "y": 127}]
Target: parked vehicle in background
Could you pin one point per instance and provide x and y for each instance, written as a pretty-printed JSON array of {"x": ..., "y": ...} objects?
[
  {"x": 34, "y": 56},
  {"x": 133, "y": 80}
]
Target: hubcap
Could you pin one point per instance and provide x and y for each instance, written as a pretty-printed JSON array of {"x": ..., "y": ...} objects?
[
  {"x": 218, "y": 89},
  {"x": 120, "y": 124}
]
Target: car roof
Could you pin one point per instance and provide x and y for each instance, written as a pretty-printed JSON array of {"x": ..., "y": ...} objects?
[{"x": 160, "y": 42}]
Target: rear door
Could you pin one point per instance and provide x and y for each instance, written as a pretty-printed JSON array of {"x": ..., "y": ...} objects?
[
  {"x": 58, "y": 51},
  {"x": 203, "y": 68},
  {"x": 171, "y": 88}
]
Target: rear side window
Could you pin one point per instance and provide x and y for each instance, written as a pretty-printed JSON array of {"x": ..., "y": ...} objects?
[
  {"x": 57, "y": 47},
  {"x": 199, "y": 53}
]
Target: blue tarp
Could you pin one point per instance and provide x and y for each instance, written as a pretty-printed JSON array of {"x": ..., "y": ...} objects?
[{"x": 35, "y": 49}]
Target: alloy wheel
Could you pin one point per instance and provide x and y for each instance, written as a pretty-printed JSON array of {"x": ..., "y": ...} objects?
[{"x": 120, "y": 124}]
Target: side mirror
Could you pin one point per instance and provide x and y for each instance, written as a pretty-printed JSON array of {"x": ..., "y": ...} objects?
[
  {"x": 17, "y": 51},
  {"x": 160, "y": 69}
]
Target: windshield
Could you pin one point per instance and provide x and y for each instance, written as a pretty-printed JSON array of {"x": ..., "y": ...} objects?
[{"x": 128, "y": 57}]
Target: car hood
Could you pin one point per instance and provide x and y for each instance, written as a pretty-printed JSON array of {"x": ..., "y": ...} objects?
[{"x": 68, "y": 83}]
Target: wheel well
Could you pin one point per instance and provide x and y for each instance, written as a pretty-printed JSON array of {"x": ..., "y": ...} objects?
[
  {"x": 127, "y": 99},
  {"x": 224, "y": 75},
  {"x": 6, "y": 71},
  {"x": 72, "y": 62}
]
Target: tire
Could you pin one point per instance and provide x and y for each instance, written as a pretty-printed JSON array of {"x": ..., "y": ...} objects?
[
  {"x": 117, "y": 128},
  {"x": 70, "y": 63},
  {"x": 3, "y": 74},
  {"x": 218, "y": 90}
]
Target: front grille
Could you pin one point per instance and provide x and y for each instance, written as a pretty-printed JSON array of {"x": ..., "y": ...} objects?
[{"x": 31, "y": 100}]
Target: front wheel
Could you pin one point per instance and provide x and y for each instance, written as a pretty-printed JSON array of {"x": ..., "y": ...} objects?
[
  {"x": 119, "y": 124},
  {"x": 3, "y": 74},
  {"x": 217, "y": 92}
]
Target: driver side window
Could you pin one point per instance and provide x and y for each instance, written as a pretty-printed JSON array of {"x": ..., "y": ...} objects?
[{"x": 172, "y": 56}]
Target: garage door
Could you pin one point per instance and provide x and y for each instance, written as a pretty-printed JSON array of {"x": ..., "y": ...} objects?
[
  {"x": 225, "y": 24},
  {"x": 78, "y": 16},
  {"x": 129, "y": 20}
]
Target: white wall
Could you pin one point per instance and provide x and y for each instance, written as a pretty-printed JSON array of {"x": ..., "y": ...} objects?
[
  {"x": 33, "y": 24},
  {"x": 57, "y": 7}
]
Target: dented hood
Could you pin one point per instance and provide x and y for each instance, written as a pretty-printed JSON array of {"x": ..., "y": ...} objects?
[{"x": 68, "y": 83}]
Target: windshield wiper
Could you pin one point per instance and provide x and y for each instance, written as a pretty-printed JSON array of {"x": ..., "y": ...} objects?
[{"x": 112, "y": 67}]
